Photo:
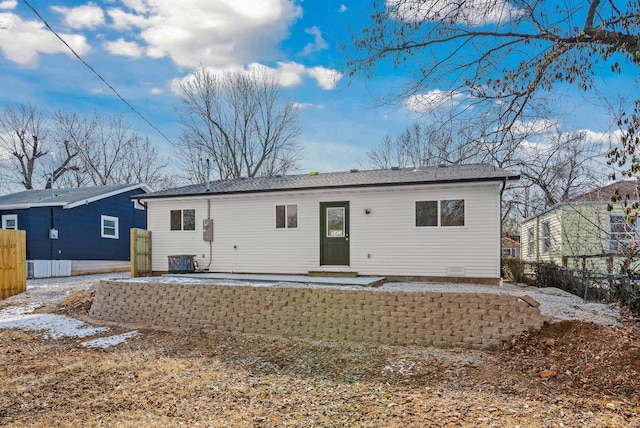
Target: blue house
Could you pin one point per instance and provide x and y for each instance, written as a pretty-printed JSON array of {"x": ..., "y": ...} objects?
[{"x": 75, "y": 231}]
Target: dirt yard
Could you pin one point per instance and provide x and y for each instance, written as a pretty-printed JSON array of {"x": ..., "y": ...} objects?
[{"x": 572, "y": 374}]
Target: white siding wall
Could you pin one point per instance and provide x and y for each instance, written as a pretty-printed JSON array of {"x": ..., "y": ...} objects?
[
  {"x": 554, "y": 217},
  {"x": 246, "y": 240}
]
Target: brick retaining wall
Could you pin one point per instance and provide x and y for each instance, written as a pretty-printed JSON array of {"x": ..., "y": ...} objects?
[{"x": 468, "y": 320}]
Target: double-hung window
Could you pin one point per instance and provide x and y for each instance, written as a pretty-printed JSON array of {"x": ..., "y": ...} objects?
[
  {"x": 530, "y": 241},
  {"x": 620, "y": 233},
  {"x": 109, "y": 227},
  {"x": 287, "y": 216},
  {"x": 183, "y": 219},
  {"x": 446, "y": 212},
  {"x": 546, "y": 237}
]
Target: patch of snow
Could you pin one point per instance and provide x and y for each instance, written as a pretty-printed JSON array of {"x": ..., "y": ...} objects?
[
  {"x": 403, "y": 367},
  {"x": 106, "y": 342},
  {"x": 50, "y": 325}
]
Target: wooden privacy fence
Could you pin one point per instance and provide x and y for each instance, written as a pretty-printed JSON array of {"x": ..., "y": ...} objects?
[
  {"x": 13, "y": 262},
  {"x": 140, "y": 253}
]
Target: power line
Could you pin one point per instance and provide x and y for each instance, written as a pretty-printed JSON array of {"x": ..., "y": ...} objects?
[{"x": 95, "y": 72}]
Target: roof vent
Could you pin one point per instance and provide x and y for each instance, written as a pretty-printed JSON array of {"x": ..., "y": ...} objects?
[
  {"x": 243, "y": 178},
  {"x": 354, "y": 170},
  {"x": 278, "y": 176},
  {"x": 395, "y": 168}
]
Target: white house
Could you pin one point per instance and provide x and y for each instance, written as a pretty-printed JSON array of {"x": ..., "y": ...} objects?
[{"x": 433, "y": 223}]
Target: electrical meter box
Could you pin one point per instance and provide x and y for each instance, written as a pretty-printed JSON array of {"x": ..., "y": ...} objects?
[{"x": 207, "y": 230}]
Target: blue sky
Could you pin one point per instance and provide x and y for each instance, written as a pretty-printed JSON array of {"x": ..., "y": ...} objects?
[{"x": 143, "y": 47}]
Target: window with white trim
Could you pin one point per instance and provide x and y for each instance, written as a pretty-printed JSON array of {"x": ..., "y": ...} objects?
[
  {"x": 546, "y": 237},
  {"x": 530, "y": 241},
  {"x": 447, "y": 212},
  {"x": 287, "y": 216},
  {"x": 10, "y": 221},
  {"x": 109, "y": 227},
  {"x": 620, "y": 233}
]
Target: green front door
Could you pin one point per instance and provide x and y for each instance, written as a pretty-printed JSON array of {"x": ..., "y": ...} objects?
[{"x": 334, "y": 233}]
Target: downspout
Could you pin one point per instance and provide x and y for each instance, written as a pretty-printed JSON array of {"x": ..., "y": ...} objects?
[{"x": 502, "y": 188}]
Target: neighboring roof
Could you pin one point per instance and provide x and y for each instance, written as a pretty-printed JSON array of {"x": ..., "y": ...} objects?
[
  {"x": 66, "y": 198},
  {"x": 603, "y": 194},
  {"x": 353, "y": 178},
  {"x": 599, "y": 195}
]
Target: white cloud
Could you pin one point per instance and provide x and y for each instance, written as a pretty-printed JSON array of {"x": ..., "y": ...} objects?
[
  {"x": 326, "y": 77},
  {"x": 217, "y": 34},
  {"x": 308, "y": 105},
  {"x": 534, "y": 127},
  {"x": 86, "y": 16},
  {"x": 286, "y": 74},
  {"x": 123, "y": 48},
  {"x": 156, "y": 91},
  {"x": 8, "y": 4},
  {"x": 318, "y": 44},
  {"x": 22, "y": 41},
  {"x": 469, "y": 12},
  {"x": 342, "y": 8},
  {"x": 432, "y": 100}
]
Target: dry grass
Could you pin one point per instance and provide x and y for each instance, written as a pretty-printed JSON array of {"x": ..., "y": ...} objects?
[{"x": 214, "y": 379}]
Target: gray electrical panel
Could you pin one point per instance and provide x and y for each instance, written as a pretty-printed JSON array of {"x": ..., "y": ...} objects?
[{"x": 207, "y": 230}]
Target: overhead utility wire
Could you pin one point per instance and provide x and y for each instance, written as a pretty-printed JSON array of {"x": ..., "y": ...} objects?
[{"x": 95, "y": 72}]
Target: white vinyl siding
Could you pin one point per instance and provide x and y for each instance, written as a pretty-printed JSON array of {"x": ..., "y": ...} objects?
[
  {"x": 383, "y": 242},
  {"x": 545, "y": 247}
]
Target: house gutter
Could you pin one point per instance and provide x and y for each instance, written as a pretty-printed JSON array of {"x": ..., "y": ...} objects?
[{"x": 502, "y": 179}]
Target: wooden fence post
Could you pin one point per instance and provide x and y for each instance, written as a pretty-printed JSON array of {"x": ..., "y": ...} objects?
[{"x": 13, "y": 262}]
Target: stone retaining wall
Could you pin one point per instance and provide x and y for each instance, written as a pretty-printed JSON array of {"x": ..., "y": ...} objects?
[{"x": 468, "y": 320}]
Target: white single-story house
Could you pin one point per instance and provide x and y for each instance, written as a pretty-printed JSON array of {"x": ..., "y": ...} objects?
[{"x": 440, "y": 223}]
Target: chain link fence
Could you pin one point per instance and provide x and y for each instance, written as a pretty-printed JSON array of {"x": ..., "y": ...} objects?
[{"x": 623, "y": 289}]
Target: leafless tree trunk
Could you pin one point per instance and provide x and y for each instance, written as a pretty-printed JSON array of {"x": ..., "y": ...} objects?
[{"x": 240, "y": 122}]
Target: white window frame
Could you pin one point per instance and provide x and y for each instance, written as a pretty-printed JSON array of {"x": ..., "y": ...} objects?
[
  {"x": 531, "y": 241},
  {"x": 439, "y": 213},
  {"x": 545, "y": 233},
  {"x": 286, "y": 216},
  {"x": 116, "y": 222},
  {"x": 616, "y": 240},
  {"x": 6, "y": 218}
]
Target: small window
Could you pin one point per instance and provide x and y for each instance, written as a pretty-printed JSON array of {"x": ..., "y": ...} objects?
[
  {"x": 546, "y": 237},
  {"x": 287, "y": 216},
  {"x": 336, "y": 222},
  {"x": 10, "y": 221},
  {"x": 109, "y": 227},
  {"x": 440, "y": 213},
  {"x": 183, "y": 219},
  {"x": 530, "y": 241},
  {"x": 427, "y": 213},
  {"x": 621, "y": 233},
  {"x": 188, "y": 219},
  {"x": 452, "y": 212}
]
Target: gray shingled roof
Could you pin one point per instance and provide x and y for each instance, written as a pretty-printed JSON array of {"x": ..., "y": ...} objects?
[
  {"x": 63, "y": 197},
  {"x": 369, "y": 178}
]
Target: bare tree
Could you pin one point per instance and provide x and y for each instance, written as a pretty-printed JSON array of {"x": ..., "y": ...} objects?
[
  {"x": 498, "y": 53},
  {"x": 110, "y": 152},
  {"x": 424, "y": 145},
  {"x": 26, "y": 137},
  {"x": 240, "y": 122}
]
